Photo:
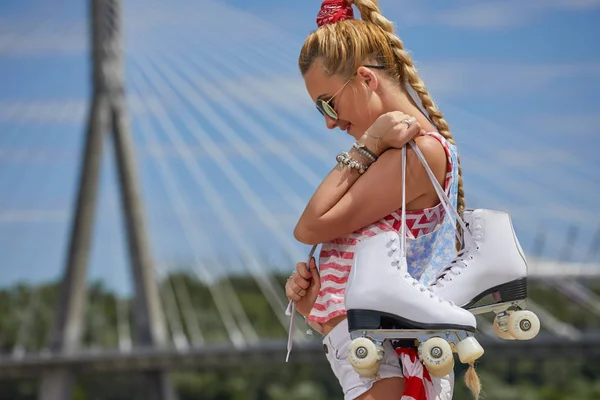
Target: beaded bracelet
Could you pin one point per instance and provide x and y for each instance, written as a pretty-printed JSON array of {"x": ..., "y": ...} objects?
[
  {"x": 364, "y": 151},
  {"x": 344, "y": 160}
]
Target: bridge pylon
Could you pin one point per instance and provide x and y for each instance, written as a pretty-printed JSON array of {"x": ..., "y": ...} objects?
[{"x": 108, "y": 115}]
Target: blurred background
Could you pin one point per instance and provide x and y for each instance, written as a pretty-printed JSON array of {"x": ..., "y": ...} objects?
[{"x": 222, "y": 146}]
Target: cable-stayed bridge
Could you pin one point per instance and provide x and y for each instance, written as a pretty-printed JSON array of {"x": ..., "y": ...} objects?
[{"x": 216, "y": 147}]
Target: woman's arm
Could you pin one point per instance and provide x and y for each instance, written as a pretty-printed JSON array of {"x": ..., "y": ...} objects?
[{"x": 343, "y": 203}]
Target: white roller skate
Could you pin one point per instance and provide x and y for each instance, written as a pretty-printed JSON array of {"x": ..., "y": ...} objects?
[
  {"x": 490, "y": 263},
  {"x": 384, "y": 302}
]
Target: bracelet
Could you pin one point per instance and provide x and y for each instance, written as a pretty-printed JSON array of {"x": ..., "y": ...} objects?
[
  {"x": 364, "y": 151},
  {"x": 344, "y": 160},
  {"x": 374, "y": 137}
]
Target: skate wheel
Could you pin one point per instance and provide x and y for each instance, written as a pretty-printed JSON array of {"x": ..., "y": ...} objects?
[
  {"x": 469, "y": 350},
  {"x": 437, "y": 357},
  {"x": 499, "y": 324},
  {"x": 364, "y": 356},
  {"x": 523, "y": 325},
  {"x": 368, "y": 372}
]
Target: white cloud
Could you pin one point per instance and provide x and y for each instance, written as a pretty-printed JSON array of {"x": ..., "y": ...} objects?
[
  {"x": 483, "y": 15},
  {"x": 472, "y": 14},
  {"x": 148, "y": 23},
  {"x": 67, "y": 111},
  {"x": 473, "y": 77}
]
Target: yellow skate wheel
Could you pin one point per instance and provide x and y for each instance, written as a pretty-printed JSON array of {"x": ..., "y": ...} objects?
[
  {"x": 364, "y": 356},
  {"x": 437, "y": 357},
  {"x": 523, "y": 325},
  {"x": 469, "y": 350}
]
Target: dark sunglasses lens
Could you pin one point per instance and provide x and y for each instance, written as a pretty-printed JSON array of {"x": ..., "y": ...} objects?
[
  {"x": 325, "y": 109},
  {"x": 320, "y": 108}
]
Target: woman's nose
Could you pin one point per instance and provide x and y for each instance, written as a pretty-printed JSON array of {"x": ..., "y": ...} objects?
[{"x": 330, "y": 122}]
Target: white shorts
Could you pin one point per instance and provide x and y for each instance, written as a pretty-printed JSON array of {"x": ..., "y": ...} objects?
[{"x": 353, "y": 385}]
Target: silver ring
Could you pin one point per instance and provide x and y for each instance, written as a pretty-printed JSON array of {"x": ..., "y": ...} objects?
[{"x": 409, "y": 121}]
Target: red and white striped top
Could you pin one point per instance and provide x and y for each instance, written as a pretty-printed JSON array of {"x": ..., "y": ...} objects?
[{"x": 335, "y": 258}]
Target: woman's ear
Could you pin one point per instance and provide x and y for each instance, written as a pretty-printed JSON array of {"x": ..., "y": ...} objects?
[{"x": 368, "y": 78}]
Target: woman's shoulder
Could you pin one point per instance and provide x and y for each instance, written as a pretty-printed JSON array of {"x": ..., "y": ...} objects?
[
  {"x": 436, "y": 139},
  {"x": 435, "y": 150}
]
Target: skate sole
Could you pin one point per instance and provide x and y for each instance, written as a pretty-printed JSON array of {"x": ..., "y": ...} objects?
[
  {"x": 498, "y": 307},
  {"x": 370, "y": 320},
  {"x": 510, "y": 293},
  {"x": 411, "y": 337}
]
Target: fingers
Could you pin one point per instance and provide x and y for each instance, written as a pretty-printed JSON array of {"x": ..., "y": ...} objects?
[
  {"x": 395, "y": 129},
  {"x": 290, "y": 294},
  {"x": 408, "y": 122},
  {"x": 303, "y": 270},
  {"x": 314, "y": 272},
  {"x": 298, "y": 283},
  {"x": 413, "y": 129},
  {"x": 400, "y": 117},
  {"x": 408, "y": 126},
  {"x": 297, "y": 289},
  {"x": 405, "y": 120},
  {"x": 293, "y": 291}
]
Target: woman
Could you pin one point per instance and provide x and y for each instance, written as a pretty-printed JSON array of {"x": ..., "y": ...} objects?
[{"x": 361, "y": 78}]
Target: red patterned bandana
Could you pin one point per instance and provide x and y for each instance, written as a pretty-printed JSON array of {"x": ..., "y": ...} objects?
[{"x": 333, "y": 11}]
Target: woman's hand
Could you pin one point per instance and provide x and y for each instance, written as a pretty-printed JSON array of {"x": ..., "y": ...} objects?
[
  {"x": 303, "y": 286},
  {"x": 391, "y": 130}
]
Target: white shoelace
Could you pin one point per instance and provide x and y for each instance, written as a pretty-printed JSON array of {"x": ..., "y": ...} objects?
[
  {"x": 416, "y": 283},
  {"x": 425, "y": 289},
  {"x": 457, "y": 264}
]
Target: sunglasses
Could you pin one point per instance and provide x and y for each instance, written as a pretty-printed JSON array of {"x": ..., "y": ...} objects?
[{"x": 326, "y": 108}]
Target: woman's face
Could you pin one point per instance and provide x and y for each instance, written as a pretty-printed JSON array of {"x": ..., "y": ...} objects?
[{"x": 353, "y": 100}]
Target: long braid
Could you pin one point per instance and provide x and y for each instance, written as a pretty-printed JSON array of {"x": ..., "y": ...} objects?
[{"x": 369, "y": 11}]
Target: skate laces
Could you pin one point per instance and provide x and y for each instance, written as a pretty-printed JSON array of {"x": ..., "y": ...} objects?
[
  {"x": 458, "y": 263},
  {"x": 416, "y": 283},
  {"x": 424, "y": 289},
  {"x": 453, "y": 269}
]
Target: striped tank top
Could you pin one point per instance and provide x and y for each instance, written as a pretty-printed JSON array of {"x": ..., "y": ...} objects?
[{"x": 430, "y": 239}]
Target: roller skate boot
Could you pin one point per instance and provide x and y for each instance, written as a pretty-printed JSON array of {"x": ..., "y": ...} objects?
[
  {"x": 384, "y": 302},
  {"x": 490, "y": 263}
]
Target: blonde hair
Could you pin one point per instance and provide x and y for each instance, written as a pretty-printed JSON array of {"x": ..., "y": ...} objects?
[{"x": 343, "y": 46}]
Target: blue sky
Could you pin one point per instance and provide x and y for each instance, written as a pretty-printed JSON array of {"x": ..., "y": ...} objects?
[{"x": 230, "y": 148}]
